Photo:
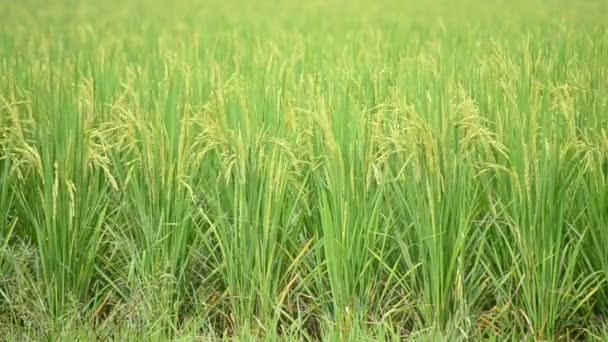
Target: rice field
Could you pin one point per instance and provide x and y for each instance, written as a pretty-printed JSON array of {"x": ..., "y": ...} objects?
[{"x": 304, "y": 171}]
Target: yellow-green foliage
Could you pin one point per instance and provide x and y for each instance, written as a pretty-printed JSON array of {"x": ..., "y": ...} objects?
[{"x": 304, "y": 170}]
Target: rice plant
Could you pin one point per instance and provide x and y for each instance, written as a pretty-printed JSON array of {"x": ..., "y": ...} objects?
[{"x": 303, "y": 171}]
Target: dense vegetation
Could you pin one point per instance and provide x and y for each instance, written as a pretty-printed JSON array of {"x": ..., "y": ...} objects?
[{"x": 304, "y": 171}]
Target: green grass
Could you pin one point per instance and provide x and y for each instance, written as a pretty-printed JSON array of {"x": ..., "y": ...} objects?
[{"x": 304, "y": 171}]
